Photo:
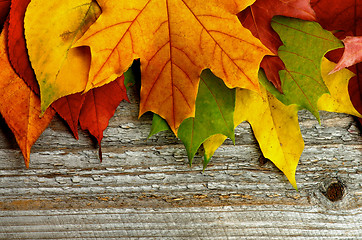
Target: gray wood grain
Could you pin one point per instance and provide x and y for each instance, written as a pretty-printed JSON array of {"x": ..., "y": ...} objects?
[
  {"x": 231, "y": 222},
  {"x": 145, "y": 189}
]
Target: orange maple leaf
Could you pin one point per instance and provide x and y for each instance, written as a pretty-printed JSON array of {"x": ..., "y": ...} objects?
[
  {"x": 68, "y": 107},
  {"x": 175, "y": 40},
  {"x": 20, "y": 106}
]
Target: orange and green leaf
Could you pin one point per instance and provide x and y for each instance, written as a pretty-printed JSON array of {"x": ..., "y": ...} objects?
[
  {"x": 175, "y": 40},
  {"x": 257, "y": 18}
]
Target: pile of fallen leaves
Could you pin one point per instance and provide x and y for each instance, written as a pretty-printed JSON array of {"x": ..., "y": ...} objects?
[{"x": 206, "y": 66}]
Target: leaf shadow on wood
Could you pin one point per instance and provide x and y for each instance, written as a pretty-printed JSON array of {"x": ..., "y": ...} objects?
[{"x": 7, "y": 135}]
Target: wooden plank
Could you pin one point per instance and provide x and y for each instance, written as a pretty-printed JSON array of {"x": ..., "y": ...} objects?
[
  {"x": 146, "y": 189},
  {"x": 233, "y": 222}
]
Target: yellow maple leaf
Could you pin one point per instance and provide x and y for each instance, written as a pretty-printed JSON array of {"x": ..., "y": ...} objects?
[
  {"x": 51, "y": 28},
  {"x": 338, "y": 100},
  {"x": 175, "y": 40},
  {"x": 276, "y": 126}
]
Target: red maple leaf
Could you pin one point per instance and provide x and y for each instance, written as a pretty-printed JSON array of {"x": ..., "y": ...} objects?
[
  {"x": 99, "y": 106},
  {"x": 344, "y": 18}
]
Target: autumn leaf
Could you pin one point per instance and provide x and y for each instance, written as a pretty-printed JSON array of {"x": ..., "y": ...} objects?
[
  {"x": 344, "y": 18},
  {"x": 271, "y": 66},
  {"x": 305, "y": 44},
  {"x": 158, "y": 125},
  {"x": 19, "y": 106},
  {"x": 213, "y": 115},
  {"x": 352, "y": 53},
  {"x": 67, "y": 107},
  {"x": 257, "y": 18},
  {"x": 338, "y": 100},
  {"x": 49, "y": 43},
  {"x": 339, "y": 15},
  {"x": 278, "y": 133},
  {"x": 99, "y": 106},
  {"x": 18, "y": 54},
  {"x": 4, "y": 10},
  {"x": 175, "y": 41},
  {"x": 275, "y": 127}
]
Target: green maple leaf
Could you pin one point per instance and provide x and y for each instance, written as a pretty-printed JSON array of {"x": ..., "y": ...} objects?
[
  {"x": 214, "y": 114},
  {"x": 305, "y": 44},
  {"x": 158, "y": 125}
]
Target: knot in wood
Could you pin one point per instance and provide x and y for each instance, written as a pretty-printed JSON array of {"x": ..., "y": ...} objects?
[{"x": 333, "y": 190}]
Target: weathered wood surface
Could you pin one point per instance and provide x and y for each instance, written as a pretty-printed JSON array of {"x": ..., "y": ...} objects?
[{"x": 144, "y": 189}]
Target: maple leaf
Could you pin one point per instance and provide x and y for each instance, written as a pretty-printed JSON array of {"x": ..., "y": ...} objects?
[
  {"x": 213, "y": 115},
  {"x": 18, "y": 55},
  {"x": 49, "y": 43},
  {"x": 158, "y": 125},
  {"x": 352, "y": 53},
  {"x": 271, "y": 66},
  {"x": 338, "y": 100},
  {"x": 175, "y": 40},
  {"x": 339, "y": 15},
  {"x": 278, "y": 133},
  {"x": 305, "y": 44},
  {"x": 67, "y": 107},
  {"x": 344, "y": 18},
  {"x": 257, "y": 19},
  {"x": 4, "y": 10},
  {"x": 99, "y": 106},
  {"x": 19, "y": 106}
]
